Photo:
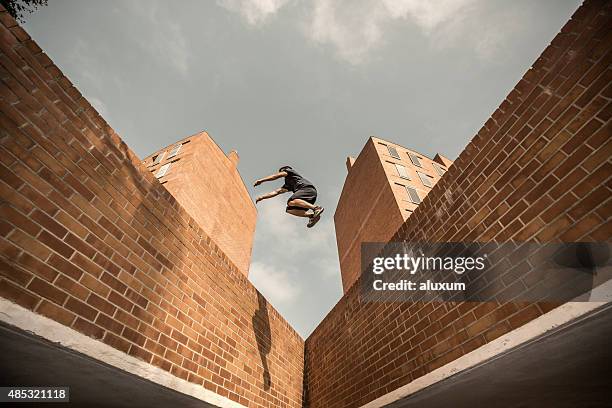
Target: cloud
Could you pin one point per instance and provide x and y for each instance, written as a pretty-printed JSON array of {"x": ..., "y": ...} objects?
[
  {"x": 356, "y": 27},
  {"x": 328, "y": 266},
  {"x": 289, "y": 233},
  {"x": 274, "y": 283},
  {"x": 352, "y": 31},
  {"x": 427, "y": 14},
  {"x": 254, "y": 11},
  {"x": 487, "y": 32},
  {"x": 289, "y": 257}
]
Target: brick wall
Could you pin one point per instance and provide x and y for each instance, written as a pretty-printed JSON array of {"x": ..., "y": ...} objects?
[
  {"x": 90, "y": 239},
  {"x": 539, "y": 170},
  {"x": 208, "y": 186}
]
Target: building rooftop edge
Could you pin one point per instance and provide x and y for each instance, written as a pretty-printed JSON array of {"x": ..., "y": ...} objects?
[{"x": 409, "y": 149}]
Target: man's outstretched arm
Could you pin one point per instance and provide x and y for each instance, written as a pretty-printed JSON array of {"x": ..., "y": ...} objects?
[
  {"x": 271, "y": 194},
  {"x": 270, "y": 178}
]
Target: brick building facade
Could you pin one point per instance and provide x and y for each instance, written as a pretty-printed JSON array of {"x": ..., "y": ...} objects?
[
  {"x": 206, "y": 183},
  {"x": 383, "y": 187},
  {"x": 93, "y": 244}
]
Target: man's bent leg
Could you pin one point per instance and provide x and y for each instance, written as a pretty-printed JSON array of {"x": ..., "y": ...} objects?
[
  {"x": 298, "y": 202},
  {"x": 298, "y": 213}
]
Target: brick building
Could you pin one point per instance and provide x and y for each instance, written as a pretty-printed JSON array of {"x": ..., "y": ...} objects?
[
  {"x": 206, "y": 183},
  {"x": 99, "y": 263},
  {"x": 383, "y": 187}
]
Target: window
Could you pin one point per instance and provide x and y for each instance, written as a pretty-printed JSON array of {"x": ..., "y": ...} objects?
[
  {"x": 413, "y": 195},
  {"x": 425, "y": 179},
  {"x": 393, "y": 152},
  {"x": 157, "y": 159},
  {"x": 415, "y": 159},
  {"x": 174, "y": 150},
  {"x": 439, "y": 169},
  {"x": 163, "y": 170},
  {"x": 401, "y": 171}
]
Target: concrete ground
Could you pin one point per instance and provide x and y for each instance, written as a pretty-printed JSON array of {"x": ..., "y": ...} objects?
[
  {"x": 26, "y": 360},
  {"x": 568, "y": 368}
]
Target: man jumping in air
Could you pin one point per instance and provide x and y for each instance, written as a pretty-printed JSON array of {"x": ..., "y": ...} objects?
[{"x": 303, "y": 198}]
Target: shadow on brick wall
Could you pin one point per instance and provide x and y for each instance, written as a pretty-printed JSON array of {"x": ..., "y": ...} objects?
[{"x": 261, "y": 328}]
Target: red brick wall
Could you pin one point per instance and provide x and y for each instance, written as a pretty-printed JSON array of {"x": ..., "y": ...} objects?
[
  {"x": 89, "y": 238},
  {"x": 208, "y": 186},
  {"x": 539, "y": 170}
]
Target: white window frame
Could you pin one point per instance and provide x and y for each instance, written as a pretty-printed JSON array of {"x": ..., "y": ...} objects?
[
  {"x": 403, "y": 170},
  {"x": 163, "y": 170},
  {"x": 415, "y": 159},
  {"x": 159, "y": 157},
  {"x": 396, "y": 155},
  {"x": 424, "y": 177},
  {"x": 411, "y": 190},
  {"x": 439, "y": 169},
  {"x": 175, "y": 150}
]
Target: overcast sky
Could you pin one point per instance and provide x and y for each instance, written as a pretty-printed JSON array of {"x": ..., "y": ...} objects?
[{"x": 302, "y": 83}]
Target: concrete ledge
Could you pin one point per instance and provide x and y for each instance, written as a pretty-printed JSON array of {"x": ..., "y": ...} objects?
[
  {"x": 565, "y": 314},
  {"x": 24, "y": 319}
]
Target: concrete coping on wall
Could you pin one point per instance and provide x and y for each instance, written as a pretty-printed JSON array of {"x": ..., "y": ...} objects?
[
  {"x": 547, "y": 324},
  {"x": 24, "y": 319}
]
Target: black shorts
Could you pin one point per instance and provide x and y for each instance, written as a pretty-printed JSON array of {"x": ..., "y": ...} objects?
[{"x": 307, "y": 194}]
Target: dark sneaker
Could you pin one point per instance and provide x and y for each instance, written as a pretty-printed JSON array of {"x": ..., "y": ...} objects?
[{"x": 316, "y": 216}]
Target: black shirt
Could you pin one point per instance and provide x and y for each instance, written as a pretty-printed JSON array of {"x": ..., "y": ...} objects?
[{"x": 295, "y": 182}]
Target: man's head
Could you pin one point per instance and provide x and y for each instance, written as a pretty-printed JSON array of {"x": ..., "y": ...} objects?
[{"x": 284, "y": 168}]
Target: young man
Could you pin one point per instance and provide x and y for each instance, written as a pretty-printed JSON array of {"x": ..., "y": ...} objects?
[{"x": 303, "y": 198}]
